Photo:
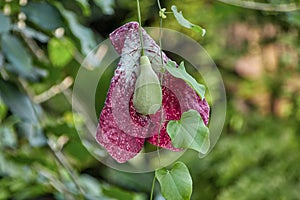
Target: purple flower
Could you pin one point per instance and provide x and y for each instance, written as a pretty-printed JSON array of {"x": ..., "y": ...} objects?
[{"x": 121, "y": 130}]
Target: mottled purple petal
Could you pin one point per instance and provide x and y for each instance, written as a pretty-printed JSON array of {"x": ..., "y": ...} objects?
[
  {"x": 178, "y": 97},
  {"x": 121, "y": 130},
  {"x": 119, "y": 145},
  {"x": 171, "y": 111}
]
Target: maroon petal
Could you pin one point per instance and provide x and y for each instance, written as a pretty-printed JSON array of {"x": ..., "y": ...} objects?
[
  {"x": 116, "y": 145},
  {"x": 171, "y": 111},
  {"x": 178, "y": 97},
  {"x": 163, "y": 140},
  {"x": 121, "y": 130},
  {"x": 187, "y": 97}
]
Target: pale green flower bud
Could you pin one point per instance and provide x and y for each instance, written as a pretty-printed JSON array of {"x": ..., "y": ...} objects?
[{"x": 147, "y": 98}]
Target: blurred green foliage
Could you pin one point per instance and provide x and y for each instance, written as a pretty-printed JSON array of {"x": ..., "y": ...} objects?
[{"x": 42, "y": 46}]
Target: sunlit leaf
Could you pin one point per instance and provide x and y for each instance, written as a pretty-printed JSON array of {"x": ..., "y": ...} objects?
[
  {"x": 85, "y": 6},
  {"x": 5, "y": 194},
  {"x": 180, "y": 72},
  {"x": 43, "y": 14},
  {"x": 3, "y": 110},
  {"x": 4, "y": 23},
  {"x": 60, "y": 51},
  {"x": 189, "y": 132},
  {"x": 175, "y": 183},
  {"x": 185, "y": 23}
]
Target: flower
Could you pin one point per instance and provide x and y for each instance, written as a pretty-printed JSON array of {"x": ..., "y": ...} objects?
[{"x": 121, "y": 130}]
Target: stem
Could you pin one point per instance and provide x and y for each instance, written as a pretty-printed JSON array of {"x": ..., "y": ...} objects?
[
  {"x": 140, "y": 26},
  {"x": 54, "y": 90},
  {"x": 161, "y": 82},
  {"x": 61, "y": 158},
  {"x": 64, "y": 163},
  {"x": 152, "y": 188},
  {"x": 160, "y": 44},
  {"x": 158, "y": 3},
  {"x": 158, "y": 137}
]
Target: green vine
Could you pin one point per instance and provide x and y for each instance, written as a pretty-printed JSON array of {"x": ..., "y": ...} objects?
[
  {"x": 189, "y": 131},
  {"x": 140, "y": 26}
]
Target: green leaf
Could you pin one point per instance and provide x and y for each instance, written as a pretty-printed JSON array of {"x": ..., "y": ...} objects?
[
  {"x": 32, "y": 190},
  {"x": 28, "y": 112},
  {"x": 43, "y": 14},
  {"x": 112, "y": 192},
  {"x": 85, "y": 6},
  {"x": 8, "y": 136},
  {"x": 5, "y": 23},
  {"x": 61, "y": 51},
  {"x": 189, "y": 132},
  {"x": 5, "y": 194},
  {"x": 1, "y": 60},
  {"x": 175, "y": 183},
  {"x": 91, "y": 186},
  {"x": 17, "y": 55},
  {"x": 32, "y": 33},
  {"x": 185, "y": 23},
  {"x": 180, "y": 72},
  {"x": 3, "y": 110},
  {"x": 294, "y": 18},
  {"x": 106, "y": 6},
  {"x": 84, "y": 34}
]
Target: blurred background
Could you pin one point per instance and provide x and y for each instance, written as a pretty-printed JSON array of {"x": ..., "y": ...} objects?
[{"x": 42, "y": 46}]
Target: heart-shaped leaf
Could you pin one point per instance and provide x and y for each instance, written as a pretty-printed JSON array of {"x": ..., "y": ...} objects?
[
  {"x": 175, "y": 183},
  {"x": 185, "y": 23},
  {"x": 180, "y": 72},
  {"x": 189, "y": 132}
]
